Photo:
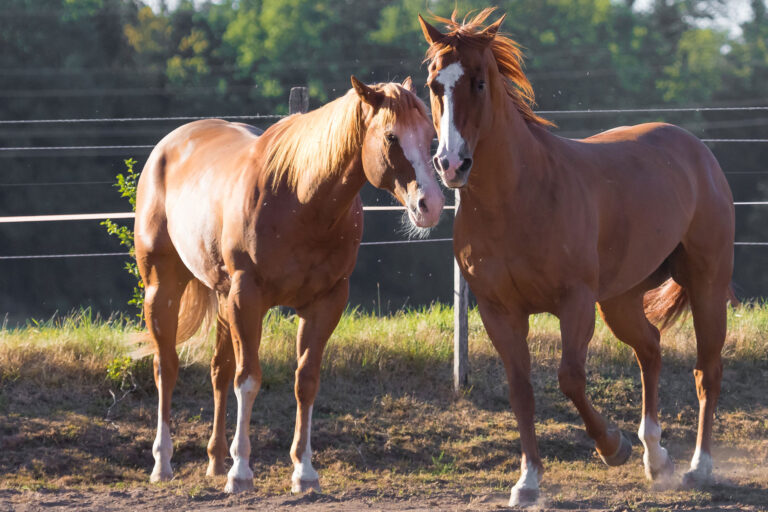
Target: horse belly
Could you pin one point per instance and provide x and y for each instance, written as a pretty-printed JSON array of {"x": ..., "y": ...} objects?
[{"x": 638, "y": 245}]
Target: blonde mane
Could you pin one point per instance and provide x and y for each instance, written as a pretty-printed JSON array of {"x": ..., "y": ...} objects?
[
  {"x": 311, "y": 147},
  {"x": 508, "y": 55},
  {"x": 315, "y": 144}
]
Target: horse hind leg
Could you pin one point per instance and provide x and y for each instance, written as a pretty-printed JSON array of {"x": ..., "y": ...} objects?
[
  {"x": 626, "y": 318},
  {"x": 222, "y": 373},
  {"x": 165, "y": 278},
  {"x": 709, "y": 309}
]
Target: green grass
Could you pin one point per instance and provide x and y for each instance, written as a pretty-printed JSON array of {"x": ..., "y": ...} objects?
[{"x": 75, "y": 413}]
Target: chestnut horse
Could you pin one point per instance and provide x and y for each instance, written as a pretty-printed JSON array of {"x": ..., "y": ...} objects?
[
  {"x": 236, "y": 222},
  {"x": 548, "y": 224}
]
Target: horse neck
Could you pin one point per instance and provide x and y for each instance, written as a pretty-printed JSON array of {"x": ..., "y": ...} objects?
[
  {"x": 333, "y": 197},
  {"x": 331, "y": 194},
  {"x": 510, "y": 158}
]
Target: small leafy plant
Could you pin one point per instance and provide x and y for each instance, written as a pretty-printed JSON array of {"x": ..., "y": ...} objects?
[{"x": 126, "y": 184}]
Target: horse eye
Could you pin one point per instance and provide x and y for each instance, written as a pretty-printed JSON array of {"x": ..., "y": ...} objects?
[
  {"x": 391, "y": 137},
  {"x": 480, "y": 85}
]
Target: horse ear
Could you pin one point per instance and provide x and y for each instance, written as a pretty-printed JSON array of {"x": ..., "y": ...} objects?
[
  {"x": 431, "y": 34},
  {"x": 367, "y": 94},
  {"x": 408, "y": 84},
  {"x": 492, "y": 29}
]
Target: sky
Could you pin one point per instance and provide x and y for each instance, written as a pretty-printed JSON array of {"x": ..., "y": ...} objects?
[{"x": 733, "y": 14}]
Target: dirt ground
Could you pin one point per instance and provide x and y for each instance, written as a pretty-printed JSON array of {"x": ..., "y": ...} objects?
[
  {"x": 380, "y": 443},
  {"x": 150, "y": 500}
]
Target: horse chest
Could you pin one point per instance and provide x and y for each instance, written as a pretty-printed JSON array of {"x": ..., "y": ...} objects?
[
  {"x": 497, "y": 272},
  {"x": 299, "y": 272}
]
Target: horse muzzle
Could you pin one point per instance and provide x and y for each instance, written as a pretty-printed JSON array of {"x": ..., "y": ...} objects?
[
  {"x": 453, "y": 169},
  {"x": 425, "y": 208}
]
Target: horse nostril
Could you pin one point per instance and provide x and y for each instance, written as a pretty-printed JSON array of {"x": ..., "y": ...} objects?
[
  {"x": 466, "y": 165},
  {"x": 422, "y": 205},
  {"x": 444, "y": 164},
  {"x": 436, "y": 163}
]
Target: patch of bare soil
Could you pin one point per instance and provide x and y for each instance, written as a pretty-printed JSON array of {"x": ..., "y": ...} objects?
[{"x": 380, "y": 444}]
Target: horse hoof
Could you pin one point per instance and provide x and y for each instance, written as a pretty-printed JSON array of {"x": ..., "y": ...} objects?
[
  {"x": 215, "y": 469},
  {"x": 160, "y": 477},
  {"x": 523, "y": 497},
  {"x": 302, "y": 486},
  {"x": 696, "y": 479},
  {"x": 237, "y": 485},
  {"x": 664, "y": 472},
  {"x": 622, "y": 454}
]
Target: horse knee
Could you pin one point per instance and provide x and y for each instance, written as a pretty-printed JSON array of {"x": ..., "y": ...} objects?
[
  {"x": 307, "y": 380},
  {"x": 222, "y": 369},
  {"x": 572, "y": 380},
  {"x": 649, "y": 355},
  {"x": 708, "y": 378}
]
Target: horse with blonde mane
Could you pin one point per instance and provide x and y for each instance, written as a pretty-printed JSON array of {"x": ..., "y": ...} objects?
[
  {"x": 638, "y": 219},
  {"x": 234, "y": 222}
]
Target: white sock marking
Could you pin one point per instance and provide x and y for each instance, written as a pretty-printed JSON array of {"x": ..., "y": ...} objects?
[
  {"x": 529, "y": 481},
  {"x": 162, "y": 449},
  {"x": 701, "y": 462},
  {"x": 655, "y": 457},
  {"x": 241, "y": 444},
  {"x": 303, "y": 470}
]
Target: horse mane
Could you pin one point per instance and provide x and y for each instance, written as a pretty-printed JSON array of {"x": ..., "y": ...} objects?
[
  {"x": 508, "y": 54},
  {"x": 310, "y": 147},
  {"x": 315, "y": 144}
]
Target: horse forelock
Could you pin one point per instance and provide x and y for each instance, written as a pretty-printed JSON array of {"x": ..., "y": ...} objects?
[
  {"x": 398, "y": 104},
  {"x": 470, "y": 33}
]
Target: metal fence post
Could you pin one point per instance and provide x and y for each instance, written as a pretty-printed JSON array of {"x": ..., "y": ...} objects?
[
  {"x": 460, "y": 323},
  {"x": 298, "y": 101}
]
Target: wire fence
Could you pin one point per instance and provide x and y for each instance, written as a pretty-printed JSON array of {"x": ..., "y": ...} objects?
[{"x": 143, "y": 147}]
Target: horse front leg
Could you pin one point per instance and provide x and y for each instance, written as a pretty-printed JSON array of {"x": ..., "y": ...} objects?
[
  {"x": 577, "y": 324},
  {"x": 508, "y": 330},
  {"x": 245, "y": 308},
  {"x": 317, "y": 322}
]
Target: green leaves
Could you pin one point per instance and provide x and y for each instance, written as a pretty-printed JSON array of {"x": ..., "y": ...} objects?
[{"x": 126, "y": 185}]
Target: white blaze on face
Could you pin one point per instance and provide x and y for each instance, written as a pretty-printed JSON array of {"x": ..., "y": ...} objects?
[
  {"x": 451, "y": 141},
  {"x": 303, "y": 470},
  {"x": 241, "y": 445},
  {"x": 415, "y": 144},
  {"x": 655, "y": 457}
]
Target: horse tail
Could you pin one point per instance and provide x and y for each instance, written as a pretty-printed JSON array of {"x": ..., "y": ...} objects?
[
  {"x": 665, "y": 304},
  {"x": 198, "y": 307}
]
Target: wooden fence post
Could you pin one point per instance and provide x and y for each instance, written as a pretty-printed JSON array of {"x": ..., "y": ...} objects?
[
  {"x": 460, "y": 323},
  {"x": 298, "y": 101}
]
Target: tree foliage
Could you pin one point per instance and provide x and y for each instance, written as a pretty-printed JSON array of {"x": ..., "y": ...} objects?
[{"x": 120, "y": 58}]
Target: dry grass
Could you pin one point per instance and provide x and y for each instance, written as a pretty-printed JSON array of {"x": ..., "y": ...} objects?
[{"x": 387, "y": 426}]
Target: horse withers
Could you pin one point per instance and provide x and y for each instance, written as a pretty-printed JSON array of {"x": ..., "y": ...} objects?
[
  {"x": 638, "y": 219},
  {"x": 233, "y": 222}
]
